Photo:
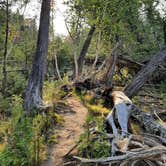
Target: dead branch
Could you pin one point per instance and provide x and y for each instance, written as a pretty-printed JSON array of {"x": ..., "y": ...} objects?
[
  {"x": 148, "y": 123},
  {"x": 143, "y": 154}
]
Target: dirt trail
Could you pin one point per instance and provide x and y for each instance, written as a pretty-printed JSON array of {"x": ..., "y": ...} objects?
[{"x": 69, "y": 134}]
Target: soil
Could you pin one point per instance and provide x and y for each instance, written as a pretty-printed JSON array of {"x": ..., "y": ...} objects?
[{"x": 69, "y": 134}]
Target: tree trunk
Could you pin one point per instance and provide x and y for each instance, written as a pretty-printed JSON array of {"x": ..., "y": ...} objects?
[
  {"x": 97, "y": 50},
  {"x": 111, "y": 70},
  {"x": 164, "y": 30},
  {"x": 110, "y": 65},
  {"x": 75, "y": 74},
  {"x": 57, "y": 68},
  {"x": 33, "y": 96},
  {"x": 145, "y": 73},
  {"x": 4, "y": 80},
  {"x": 85, "y": 49}
]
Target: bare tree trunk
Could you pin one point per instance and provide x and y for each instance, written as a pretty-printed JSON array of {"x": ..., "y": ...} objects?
[
  {"x": 110, "y": 65},
  {"x": 112, "y": 70},
  {"x": 75, "y": 45},
  {"x": 4, "y": 80},
  {"x": 85, "y": 49},
  {"x": 99, "y": 36},
  {"x": 75, "y": 63},
  {"x": 164, "y": 30},
  {"x": 33, "y": 96},
  {"x": 57, "y": 68},
  {"x": 97, "y": 49},
  {"x": 145, "y": 73},
  {"x": 55, "y": 63}
]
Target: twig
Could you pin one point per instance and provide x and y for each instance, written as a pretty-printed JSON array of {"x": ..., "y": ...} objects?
[{"x": 72, "y": 148}]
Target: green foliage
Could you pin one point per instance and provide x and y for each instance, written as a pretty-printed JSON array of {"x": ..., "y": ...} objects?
[
  {"x": 97, "y": 109},
  {"x": 22, "y": 138},
  {"x": 52, "y": 90},
  {"x": 19, "y": 147},
  {"x": 138, "y": 24},
  {"x": 163, "y": 91},
  {"x": 16, "y": 84},
  {"x": 94, "y": 146}
]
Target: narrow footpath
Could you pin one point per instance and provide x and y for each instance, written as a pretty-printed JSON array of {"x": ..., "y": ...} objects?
[{"x": 69, "y": 134}]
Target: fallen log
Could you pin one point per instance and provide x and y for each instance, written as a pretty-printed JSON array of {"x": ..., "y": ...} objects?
[
  {"x": 128, "y": 148},
  {"x": 145, "y": 73},
  {"x": 148, "y": 123},
  {"x": 125, "y": 108},
  {"x": 130, "y": 156},
  {"x": 122, "y": 110}
]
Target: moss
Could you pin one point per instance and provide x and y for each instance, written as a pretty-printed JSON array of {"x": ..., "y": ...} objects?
[
  {"x": 58, "y": 119},
  {"x": 145, "y": 109},
  {"x": 88, "y": 98},
  {"x": 53, "y": 139},
  {"x": 117, "y": 77},
  {"x": 125, "y": 72},
  {"x": 98, "y": 109},
  {"x": 135, "y": 100},
  {"x": 135, "y": 128}
]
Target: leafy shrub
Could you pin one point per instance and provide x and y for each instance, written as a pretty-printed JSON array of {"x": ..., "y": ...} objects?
[
  {"x": 19, "y": 147},
  {"x": 16, "y": 84},
  {"x": 98, "y": 109},
  {"x": 93, "y": 146},
  {"x": 163, "y": 88}
]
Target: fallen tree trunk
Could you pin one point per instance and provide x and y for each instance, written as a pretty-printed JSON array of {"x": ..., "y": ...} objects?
[
  {"x": 148, "y": 123},
  {"x": 133, "y": 148},
  {"x": 124, "y": 109},
  {"x": 145, "y": 73},
  {"x": 142, "y": 154}
]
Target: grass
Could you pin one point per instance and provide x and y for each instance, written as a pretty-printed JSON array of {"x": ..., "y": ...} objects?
[
  {"x": 23, "y": 139},
  {"x": 94, "y": 145}
]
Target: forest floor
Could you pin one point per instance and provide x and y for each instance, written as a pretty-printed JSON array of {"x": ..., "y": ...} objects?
[
  {"x": 74, "y": 114},
  {"x": 149, "y": 99},
  {"x": 67, "y": 135}
]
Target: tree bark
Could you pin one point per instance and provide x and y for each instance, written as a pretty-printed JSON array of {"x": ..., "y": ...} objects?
[
  {"x": 85, "y": 49},
  {"x": 140, "y": 155},
  {"x": 33, "y": 96},
  {"x": 110, "y": 65},
  {"x": 148, "y": 123},
  {"x": 75, "y": 62},
  {"x": 164, "y": 30},
  {"x": 97, "y": 50},
  {"x": 4, "y": 80},
  {"x": 145, "y": 73},
  {"x": 57, "y": 68}
]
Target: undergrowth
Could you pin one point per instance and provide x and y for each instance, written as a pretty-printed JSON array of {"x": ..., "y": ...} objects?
[
  {"x": 94, "y": 143},
  {"x": 23, "y": 139},
  {"x": 163, "y": 91}
]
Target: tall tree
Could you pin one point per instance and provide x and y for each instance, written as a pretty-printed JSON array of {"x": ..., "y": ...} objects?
[
  {"x": 5, "y": 49},
  {"x": 164, "y": 29},
  {"x": 33, "y": 96}
]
